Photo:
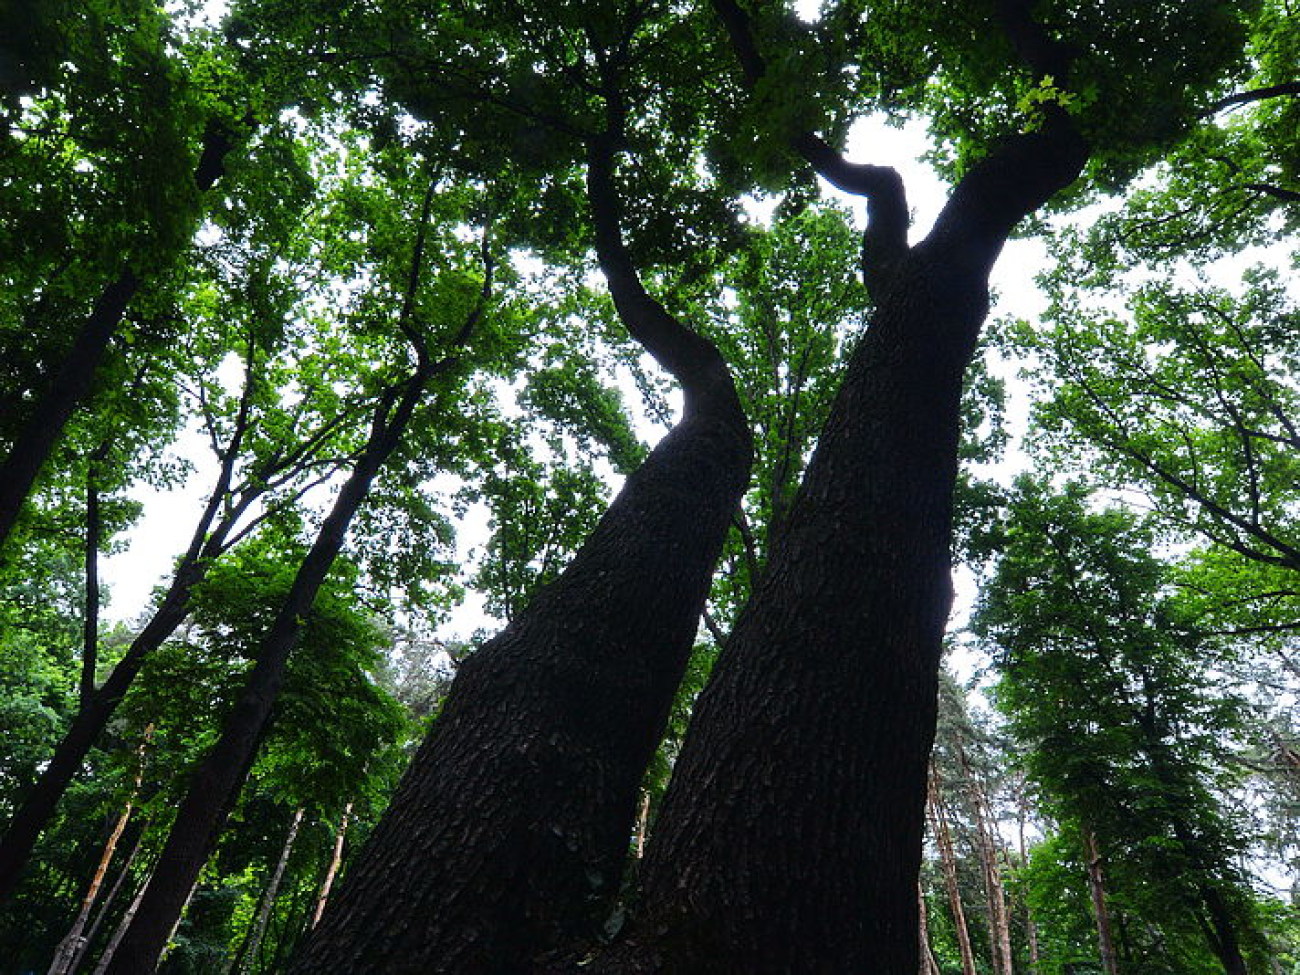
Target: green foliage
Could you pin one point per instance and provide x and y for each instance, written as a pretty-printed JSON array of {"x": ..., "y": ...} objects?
[{"x": 1109, "y": 689}]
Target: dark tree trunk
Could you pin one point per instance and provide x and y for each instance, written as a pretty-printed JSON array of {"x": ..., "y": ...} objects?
[
  {"x": 208, "y": 541},
  {"x": 67, "y": 388},
  {"x": 72, "y": 378},
  {"x": 39, "y": 804},
  {"x": 90, "y": 618},
  {"x": 508, "y": 835},
  {"x": 790, "y": 837},
  {"x": 216, "y": 784}
]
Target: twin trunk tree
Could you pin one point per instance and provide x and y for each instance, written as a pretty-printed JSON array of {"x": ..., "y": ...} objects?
[
  {"x": 790, "y": 837},
  {"x": 507, "y": 837}
]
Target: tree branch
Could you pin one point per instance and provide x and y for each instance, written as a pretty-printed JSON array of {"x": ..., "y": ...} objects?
[{"x": 1253, "y": 95}]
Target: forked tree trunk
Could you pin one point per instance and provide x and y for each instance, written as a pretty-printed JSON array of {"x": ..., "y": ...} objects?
[
  {"x": 508, "y": 834},
  {"x": 800, "y": 789},
  {"x": 1100, "y": 910},
  {"x": 790, "y": 835}
]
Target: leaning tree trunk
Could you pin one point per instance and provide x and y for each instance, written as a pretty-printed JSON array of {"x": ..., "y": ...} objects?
[
  {"x": 508, "y": 834},
  {"x": 948, "y": 864},
  {"x": 72, "y": 378},
  {"x": 215, "y": 785},
  {"x": 332, "y": 871},
  {"x": 207, "y": 541},
  {"x": 247, "y": 953},
  {"x": 74, "y": 943},
  {"x": 800, "y": 790}
]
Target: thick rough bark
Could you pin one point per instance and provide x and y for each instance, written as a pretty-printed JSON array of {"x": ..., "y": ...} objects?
[
  {"x": 507, "y": 837},
  {"x": 800, "y": 790},
  {"x": 510, "y": 829}
]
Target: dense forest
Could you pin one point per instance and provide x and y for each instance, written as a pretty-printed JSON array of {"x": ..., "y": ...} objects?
[{"x": 602, "y": 320}]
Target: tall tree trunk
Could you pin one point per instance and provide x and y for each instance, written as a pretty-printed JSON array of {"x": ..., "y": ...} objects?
[
  {"x": 822, "y": 705},
  {"x": 215, "y": 785},
  {"x": 800, "y": 790},
  {"x": 1097, "y": 888},
  {"x": 90, "y": 617},
  {"x": 73, "y": 376},
  {"x": 75, "y": 963},
  {"x": 948, "y": 863},
  {"x": 73, "y": 943},
  {"x": 989, "y": 848},
  {"x": 1031, "y": 927},
  {"x": 248, "y": 950},
  {"x": 207, "y": 541},
  {"x": 929, "y": 964},
  {"x": 332, "y": 871},
  {"x": 512, "y": 823}
]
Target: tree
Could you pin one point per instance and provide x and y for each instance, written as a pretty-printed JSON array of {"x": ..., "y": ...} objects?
[
  {"x": 1127, "y": 738},
  {"x": 822, "y": 704},
  {"x": 805, "y": 732}
]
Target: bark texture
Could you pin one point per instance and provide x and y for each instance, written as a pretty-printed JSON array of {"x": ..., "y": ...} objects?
[
  {"x": 801, "y": 786},
  {"x": 508, "y": 835}
]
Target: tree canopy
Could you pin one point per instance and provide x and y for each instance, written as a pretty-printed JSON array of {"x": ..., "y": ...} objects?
[{"x": 604, "y": 318}]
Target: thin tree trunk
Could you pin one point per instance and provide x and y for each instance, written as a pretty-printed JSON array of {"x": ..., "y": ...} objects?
[
  {"x": 107, "y": 905},
  {"x": 90, "y": 620},
  {"x": 73, "y": 944},
  {"x": 110, "y": 950},
  {"x": 208, "y": 540},
  {"x": 335, "y": 860},
  {"x": 266, "y": 904},
  {"x": 642, "y": 825},
  {"x": 948, "y": 863},
  {"x": 1031, "y": 927},
  {"x": 215, "y": 785},
  {"x": 989, "y": 846},
  {"x": 74, "y": 375},
  {"x": 104, "y": 908},
  {"x": 1097, "y": 888},
  {"x": 929, "y": 964}
]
